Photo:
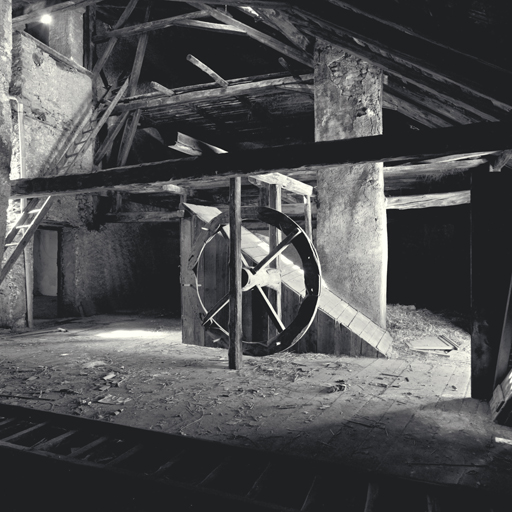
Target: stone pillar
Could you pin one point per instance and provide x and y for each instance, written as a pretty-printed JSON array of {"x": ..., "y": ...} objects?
[
  {"x": 67, "y": 34},
  {"x": 351, "y": 219},
  {"x": 5, "y": 113}
]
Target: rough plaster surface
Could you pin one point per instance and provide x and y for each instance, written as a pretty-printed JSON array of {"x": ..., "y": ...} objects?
[
  {"x": 351, "y": 229},
  {"x": 5, "y": 111},
  {"x": 118, "y": 266},
  {"x": 115, "y": 266},
  {"x": 67, "y": 33}
]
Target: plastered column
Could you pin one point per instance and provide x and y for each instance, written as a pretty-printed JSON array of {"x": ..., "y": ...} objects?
[
  {"x": 351, "y": 221},
  {"x": 66, "y": 34},
  {"x": 5, "y": 112}
]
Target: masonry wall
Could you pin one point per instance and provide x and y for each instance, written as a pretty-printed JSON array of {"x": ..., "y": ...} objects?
[{"x": 101, "y": 267}]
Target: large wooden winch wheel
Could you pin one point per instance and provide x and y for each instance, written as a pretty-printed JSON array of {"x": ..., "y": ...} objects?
[{"x": 260, "y": 277}]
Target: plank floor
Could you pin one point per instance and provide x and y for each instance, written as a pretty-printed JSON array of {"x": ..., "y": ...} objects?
[{"x": 411, "y": 418}]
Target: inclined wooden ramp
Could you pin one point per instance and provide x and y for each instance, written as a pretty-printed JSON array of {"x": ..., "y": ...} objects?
[{"x": 338, "y": 328}]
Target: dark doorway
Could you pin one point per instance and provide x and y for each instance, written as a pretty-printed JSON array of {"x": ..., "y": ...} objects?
[{"x": 46, "y": 250}]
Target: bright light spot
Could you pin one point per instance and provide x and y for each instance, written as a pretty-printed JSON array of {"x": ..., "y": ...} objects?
[
  {"x": 131, "y": 334},
  {"x": 46, "y": 19}
]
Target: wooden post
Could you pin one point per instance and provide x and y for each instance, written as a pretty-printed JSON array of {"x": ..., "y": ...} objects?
[
  {"x": 27, "y": 253},
  {"x": 274, "y": 240},
  {"x": 502, "y": 363},
  {"x": 260, "y": 319},
  {"x": 235, "y": 273},
  {"x": 308, "y": 217},
  {"x": 491, "y": 269}
]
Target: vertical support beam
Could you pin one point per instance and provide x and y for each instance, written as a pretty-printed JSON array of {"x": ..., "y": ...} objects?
[
  {"x": 308, "y": 218},
  {"x": 28, "y": 259},
  {"x": 235, "y": 273},
  {"x": 5, "y": 113},
  {"x": 260, "y": 318},
  {"x": 274, "y": 240},
  {"x": 491, "y": 270},
  {"x": 113, "y": 40},
  {"x": 131, "y": 127},
  {"x": 351, "y": 219}
]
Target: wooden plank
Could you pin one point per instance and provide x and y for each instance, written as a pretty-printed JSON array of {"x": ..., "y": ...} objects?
[
  {"x": 129, "y": 217},
  {"x": 503, "y": 359},
  {"x": 285, "y": 182},
  {"x": 131, "y": 128},
  {"x": 359, "y": 323},
  {"x": 128, "y": 136},
  {"x": 111, "y": 137},
  {"x": 139, "y": 56},
  {"x": 308, "y": 217},
  {"x": 491, "y": 270},
  {"x": 298, "y": 55},
  {"x": 326, "y": 327},
  {"x": 150, "y": 26},
  {"x": 274, "y": 234},
  {"x": 212, "y": 27},
  {"x": 208, "y": 70},
  {"x": 477, "y": 138},
  {"x": 252, "y": 88},
  {"x": 428, "y": 200},
  {"x": 235, "y": 275},
  {"x": 188, "y": 298}
]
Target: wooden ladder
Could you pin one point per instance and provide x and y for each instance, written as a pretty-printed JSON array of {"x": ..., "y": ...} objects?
[{"x": 37, "y": 208}]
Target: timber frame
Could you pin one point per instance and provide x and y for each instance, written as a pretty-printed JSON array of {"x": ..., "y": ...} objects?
[{"x": 455, "y": 97}]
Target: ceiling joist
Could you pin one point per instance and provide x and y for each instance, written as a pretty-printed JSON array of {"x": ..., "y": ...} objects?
[{"x": 481, "y": 138}]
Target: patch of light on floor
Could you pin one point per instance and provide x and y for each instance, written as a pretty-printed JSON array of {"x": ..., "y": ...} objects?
[{"x": 123, "y": 333}]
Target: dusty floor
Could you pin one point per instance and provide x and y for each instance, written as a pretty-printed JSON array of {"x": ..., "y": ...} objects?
[{"x": 408, "y": 415}]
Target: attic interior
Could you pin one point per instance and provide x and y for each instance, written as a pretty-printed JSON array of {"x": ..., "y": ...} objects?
[{"x": 151, "y": 338}]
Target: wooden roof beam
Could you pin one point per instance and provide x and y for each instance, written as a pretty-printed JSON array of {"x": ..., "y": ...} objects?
[
  {"x": 212, "y": 27},
  {"x": 428, "y": 200},
  {"x": 402, "y": 55},
  {"x": 293, "y": 53},
  {"x": 475, "y": 139},
  {"x": 150, "y": 26}
]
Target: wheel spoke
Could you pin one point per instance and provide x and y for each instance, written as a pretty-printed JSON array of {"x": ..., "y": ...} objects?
[
  {"x": 222, "y": 303},
  {"x": 271, "y": 311},
  {"x": 277, "y": 251}
]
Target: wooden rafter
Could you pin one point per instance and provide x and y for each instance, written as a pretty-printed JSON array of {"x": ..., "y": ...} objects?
[
  {"x": 296, "y": 54},
  {"x": 150, "y": 26},
  {"x": 420, "y": 72},
  {"x": 452, "y": 68}
]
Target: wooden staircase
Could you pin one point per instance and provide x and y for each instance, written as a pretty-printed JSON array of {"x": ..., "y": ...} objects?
[{"x": 37, "y": 208}]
